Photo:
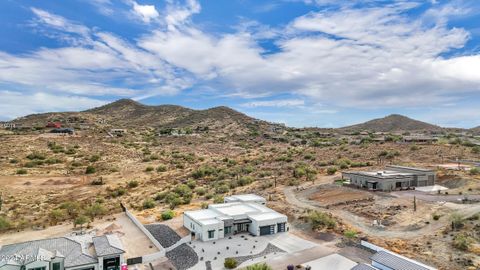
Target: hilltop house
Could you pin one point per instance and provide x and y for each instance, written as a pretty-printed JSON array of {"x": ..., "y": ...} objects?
[
  {"x": 86, "y": 253},
  {"x": 392, "y": 178},
  {"x": 240, "y": 213}
]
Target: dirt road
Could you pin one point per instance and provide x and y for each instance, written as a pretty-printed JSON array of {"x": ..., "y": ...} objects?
[{"x": 360, "y": 223}]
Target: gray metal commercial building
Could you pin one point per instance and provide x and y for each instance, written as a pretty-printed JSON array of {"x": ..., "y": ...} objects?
[{"x": 392, "y": 178}]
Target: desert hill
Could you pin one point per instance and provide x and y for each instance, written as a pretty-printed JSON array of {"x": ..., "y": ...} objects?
[
  {"x": 391, "y": 123},
  {"x": 127, "y": 113}
]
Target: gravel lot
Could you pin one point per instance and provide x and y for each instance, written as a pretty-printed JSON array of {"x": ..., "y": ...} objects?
[
  {"x": 164, "y": 234},
  {"x": 183, "y": 257},
  {"x": 269, "y": 249}
]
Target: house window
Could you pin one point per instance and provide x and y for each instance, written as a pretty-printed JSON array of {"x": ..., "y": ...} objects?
[
  {"x": 211, "y": 234},
  {"x": 228, "y": 229},
  {"x": 38, "y": 268},
  {"x": 56, "y": 266}
]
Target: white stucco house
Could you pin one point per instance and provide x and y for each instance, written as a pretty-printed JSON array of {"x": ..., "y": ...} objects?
[
  {"x": 246, "y": 198},
  {"x": 63, "y": 253},
  {"x": 232, "y": 217}
]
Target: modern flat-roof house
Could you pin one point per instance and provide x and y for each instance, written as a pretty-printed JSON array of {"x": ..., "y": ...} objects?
[
  {"x": 222, "y": 220},
  {"x": 97, "y": 253},
  {"x": 246, "y": 198},
  {"x": 392, "y": 178}
]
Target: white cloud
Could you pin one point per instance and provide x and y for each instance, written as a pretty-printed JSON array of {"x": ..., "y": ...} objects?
[
  {"x": 275, "y": 103},
  {"x": 16, "y": 104},
  {"x": 146, "y": 13},
  {"x": 346, "y": 57},
  {"x": 59, "y": 22}
]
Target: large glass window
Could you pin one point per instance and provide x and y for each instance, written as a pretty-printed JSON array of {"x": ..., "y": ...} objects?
[
  {"x": 211, "y": 234},
  {"x": 38, "y": 268},
  {"x": 228, "y": 230},
  {"x": 56, "y": 266}
]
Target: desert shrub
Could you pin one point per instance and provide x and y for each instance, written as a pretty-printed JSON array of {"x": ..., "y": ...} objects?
[
  {"x": 321, "y": 220},
  {"x": 90, "y": 169},
  {"x": 259, "y": 266},
  {"x": 56, "y": 215},
  {"x": 436, "y": 216},
  {"x": 476, "y": 150},
  {"x": 53, "y": 161},
  {"x": 191, "y": 184},
  {"x": 148, "y": 203},
  {"x": 203, "y": 171},
  {"x": 331, "y": 170},
  {"x": 221, "y": 189},
  {"x": 13, "y": 161},
  {"x": 21, "y": 171},
  {"x": 132, "y": 184},
  {"x": 218, "y": 199},
  {"x": 120, "y": 191},
  {"x": 34, "y": 163},
  {"x": 457, "y": 221},
  {"x": 37, "y": 155},
  {"x": 200, "y": 191},
  {"x": 474, "y": 171},
  {"x": 70, "y": 151},
  {"x": 173, "y": 200},
  {"x": 161, "y": 168},
  {"x": 230, "y": 263},
  {"x": 160, "y": 196},
  {"x": 4, "y": 224},
  {"x": 245, "y": 180},
  {"x": 350, "y": 234},
  {"x": 414, "y": 148},
  {"x": 149, "y": 169},
  {"x": 94, "y": 158},
  {"x": 168, "y": 214},
  {"x": 462, "y": 241}
]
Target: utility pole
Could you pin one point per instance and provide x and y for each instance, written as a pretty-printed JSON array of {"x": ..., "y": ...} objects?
[{"x": 414, "y": 204}]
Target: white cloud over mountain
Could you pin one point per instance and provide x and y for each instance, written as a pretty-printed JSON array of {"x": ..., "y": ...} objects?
[{"x": 345, "y": 57}]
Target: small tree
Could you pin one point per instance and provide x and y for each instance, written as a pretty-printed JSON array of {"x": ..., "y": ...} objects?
[
  {"x": 4, "y": 224},
  {"x": 148, "y": 203},
  {"x": 457, "y": 221},
  {"x": 95, "y": 210},
  {"x": 90, "y": 170},
  {"x": 230, "y": 263},
  {"x": 56, "y": 215},
  {"x": 81, "y": 220}
]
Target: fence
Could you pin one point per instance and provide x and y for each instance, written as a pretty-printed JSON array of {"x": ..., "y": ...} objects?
[{"x": 184, "y": 240}]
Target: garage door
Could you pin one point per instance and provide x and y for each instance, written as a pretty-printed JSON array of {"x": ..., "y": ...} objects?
[
  {"x": 281, "y": 227},
  {"x": 266, "y": 230}
]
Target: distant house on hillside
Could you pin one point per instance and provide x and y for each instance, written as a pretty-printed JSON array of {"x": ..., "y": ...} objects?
[
  {"x": 419, "y": 139},
  {"x": 63, "y": 131},
  {"x": 117, "y": 131},
  {"x": 54, "y": 125}
]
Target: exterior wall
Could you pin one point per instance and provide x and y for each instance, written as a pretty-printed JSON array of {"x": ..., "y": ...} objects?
[
  {"x": 145, "y": 231},
  {"x": 201, "y": 231},
  {"x": 38, "y": 264},
  {"x": 255, "y": 226},
  {"x": 425, "y": 178},
  {"x": 87, "y": 266},
  {"x": 385, "y": 184}
]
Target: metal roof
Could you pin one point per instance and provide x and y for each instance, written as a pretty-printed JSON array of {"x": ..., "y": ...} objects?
[
  {"x": 107, "y": 245},
  {"x": 363, "y": 267},
  {"x": 396, "y": 262},
  {"x": 24, "y": 253}
]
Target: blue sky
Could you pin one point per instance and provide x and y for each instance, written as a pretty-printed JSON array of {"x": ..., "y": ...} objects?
[{"x": 303, "y": 63}]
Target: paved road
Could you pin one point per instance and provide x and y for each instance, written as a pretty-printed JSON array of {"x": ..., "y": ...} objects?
[{"x": 360, "y": 223}]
